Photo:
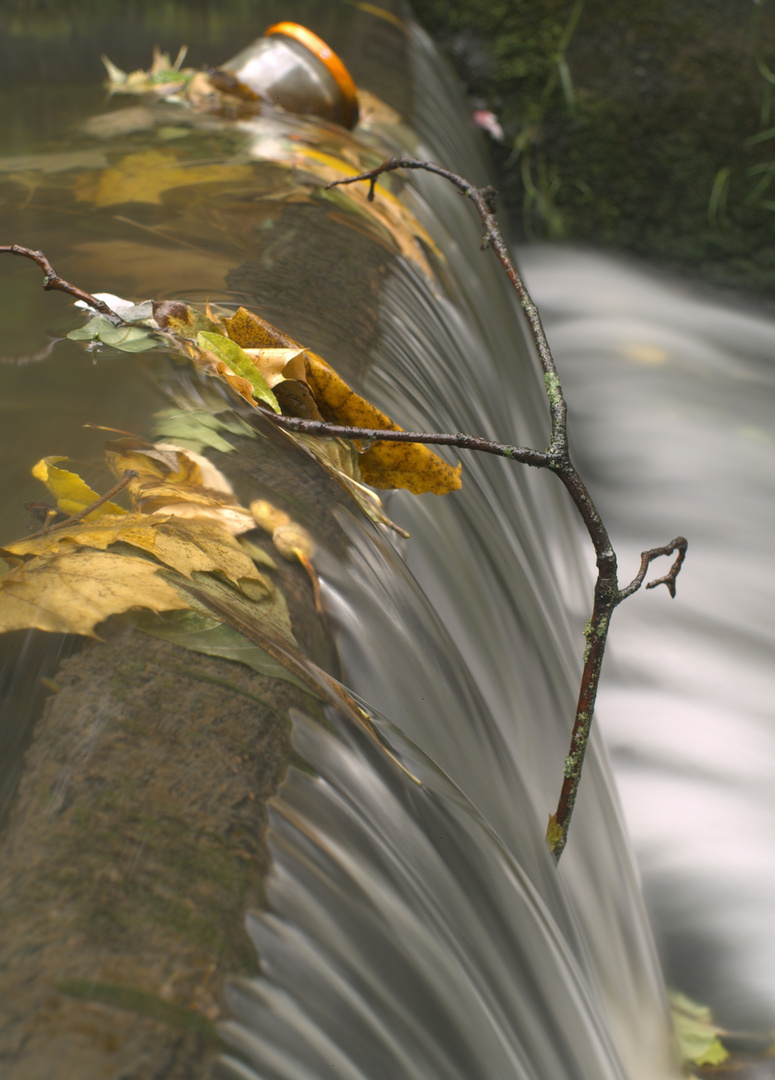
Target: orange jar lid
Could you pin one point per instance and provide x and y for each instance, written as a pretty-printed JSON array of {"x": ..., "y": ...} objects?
[{"x": 329, "y": 59}]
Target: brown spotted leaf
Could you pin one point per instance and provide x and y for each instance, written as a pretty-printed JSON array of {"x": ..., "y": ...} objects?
[
  {"x": 385, "y": 465},
  {"x": 185, "y": 545},
  {"x": 72, "y": 591}
]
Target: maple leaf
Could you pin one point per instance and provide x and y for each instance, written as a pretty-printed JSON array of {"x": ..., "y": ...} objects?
[
  {"x": 72, "y": 591},
  {"x": 183, "y": 544}
]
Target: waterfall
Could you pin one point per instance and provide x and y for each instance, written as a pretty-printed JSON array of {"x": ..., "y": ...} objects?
[
  {"x": 416, "y": 925},
  {"x": 425, "y": 931}
]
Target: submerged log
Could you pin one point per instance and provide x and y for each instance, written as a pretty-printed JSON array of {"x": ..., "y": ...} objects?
[{"x": 132, "y": 852}]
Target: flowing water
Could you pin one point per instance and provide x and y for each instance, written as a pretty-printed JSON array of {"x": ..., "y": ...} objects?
[
  {"x": 673, "y": 395},
  {"x": 416, "y": 925}
]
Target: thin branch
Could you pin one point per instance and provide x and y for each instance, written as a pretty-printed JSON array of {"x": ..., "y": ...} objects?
[
  {"x": 557, "y": 458},
  {"x": 484, "y": 199},
  {"x": 369, "y": 435},
  {"x": 52, "y": 280},
  {"x": 680, "y": 545}
]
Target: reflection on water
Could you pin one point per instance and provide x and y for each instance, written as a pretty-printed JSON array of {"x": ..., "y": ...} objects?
[
  {"x": 414, "y": 929},
  {"x": 672, "y": 392}
]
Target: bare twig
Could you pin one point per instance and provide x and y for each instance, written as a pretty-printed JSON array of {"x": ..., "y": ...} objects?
[
  {"x": 463, "y": 442},
  {"x": 557, "y": 458},
  {"x": 129, "y": 474},
  {"x": 52, "y": 280},
  {"x": 647, "y": 558}
]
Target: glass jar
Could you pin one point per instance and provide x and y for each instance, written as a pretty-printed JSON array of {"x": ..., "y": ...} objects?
[{"x": 293, "y": 68}]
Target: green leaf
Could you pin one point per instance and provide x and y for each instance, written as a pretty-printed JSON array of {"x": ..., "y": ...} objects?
[
  {"x": 129, "y": 339},
  {"x": 697, "y": 1035},
  {"x": 199, "y": 430},
  {"x": 205, "y": 634},
  {"x": 235, "y": 357}
]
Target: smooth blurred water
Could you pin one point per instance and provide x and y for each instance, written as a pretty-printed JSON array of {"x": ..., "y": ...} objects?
[
  {"x": 672, "y": 393},
  {"x": 483, "y": 681}
]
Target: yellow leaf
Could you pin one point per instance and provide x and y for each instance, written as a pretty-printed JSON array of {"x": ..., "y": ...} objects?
[
  {"x": 184, "y": 544},
  {"x": 278, "y": 364},
  {"x": 145, "y": 176},
  {"x": 175, "y": 481},
  {"x": 71, "y": 492},
  {"x": 71, "y": 593},
  {"x": 385, "y": 465}
]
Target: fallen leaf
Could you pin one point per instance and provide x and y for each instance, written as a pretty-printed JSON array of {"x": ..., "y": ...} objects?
[
  {"x": 178, "y": 318},
  {"x": 199, "y": 430},
  {"x": 131, "y": 339},
  {"x": 173, "y": 480},
  {"x": 384, "y": 465},
  {"x": 72, "y": 493},
  {"x": 71, "y": 592},
  {"x": 213, "y": 597}
]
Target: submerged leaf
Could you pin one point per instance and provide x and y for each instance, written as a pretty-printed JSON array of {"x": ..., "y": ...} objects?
[
  {"x": 200, "y": 430},
  {"x": 205, "y": 634},
  {"x": 213, "y": 597},
  {"x": 72, "y": 591},
  {"x": 146, "y": 175},
  {"x": 72, "y": 493}
]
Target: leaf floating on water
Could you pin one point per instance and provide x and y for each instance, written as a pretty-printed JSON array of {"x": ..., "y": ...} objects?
[
  {"x": 72, "y": 493},
  {"x": 131, "y": 339},
  {"x": 204, "y": 634},
  {"x": 72, "y": 591},
  {"x": 697, "y": 1035}
]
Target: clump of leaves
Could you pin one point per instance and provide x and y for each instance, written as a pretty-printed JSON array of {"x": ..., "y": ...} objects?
[
  {"x": 267, "y": 368},
  {"x": 176, "y": 559}
]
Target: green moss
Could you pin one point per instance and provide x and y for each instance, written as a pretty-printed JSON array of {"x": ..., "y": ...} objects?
[
  {"x": 139, "y": 1001},
  {"x": 553, "y": 388}
]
